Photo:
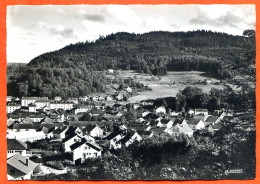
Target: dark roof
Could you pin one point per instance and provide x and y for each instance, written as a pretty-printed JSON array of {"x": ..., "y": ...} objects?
[
  {"x": 83, "y": 141},
  {"x": 165, "y": 121},
  {"x": 112, "y": 135},
  {"x": 178, "y": 121},
  {"x": 77, "y": 144},
  {"x": 13, "y": 144},
  {"x": 59, "y": 130},
  {"x": 89, "y": 128},
  {"x": 71, "y": 130},
  {"x": 69, "y": 137},
  {"x": 128, "y": 136},
  {"x": 144, "y": 132},
  {"x": 153, "y": 123},
  {"x": 21, "y": 163}
]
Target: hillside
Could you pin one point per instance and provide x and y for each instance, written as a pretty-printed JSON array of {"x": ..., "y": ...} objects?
[
  {"x": 73, "y": 70},
  {"x": 157, "y": 53}
]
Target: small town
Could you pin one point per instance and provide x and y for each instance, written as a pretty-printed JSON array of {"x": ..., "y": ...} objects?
[
  {"x": 131, "y": 92},
  {"x": 44, "y": 132}
]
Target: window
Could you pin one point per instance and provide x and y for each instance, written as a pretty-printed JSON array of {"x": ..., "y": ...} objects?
[
  {"x": 84, "y": 154},
  {"x": 95, "y": 154},
  {"x": 75, "y": 140}
]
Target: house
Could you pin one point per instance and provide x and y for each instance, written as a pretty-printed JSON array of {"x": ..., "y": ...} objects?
[
  {"x": 60, "y": 133},
  {"x": 82, "y": 108},
  {"x": 110, "y": 71},
  {"x": 158, "y": 130},
  {"x": 145, "y": 134},
  {"x": 166, "y": 123},
  {"x": 173, "y": 131},
  {"x": 83, "y": 98},
  {"x": 114, "y": 140},
  {"x": 20, "y": 168},
  {"x": 73, "y": 100},
  {"x": 185, "y": 129},
  {"x": 160, "y": 111},
  {"x": 24, "y": 132},
  {"x": 83, "y": 150},
  {"x": 201, "y": 111},
  {"x": 109, "y": 98},
  {"x": 96, "y": 112},
  {"x": 129, "y": 90},
  {"x": 93, "y": 130},
  {"x": 57, "y": 98},
  {"x": 130, "y": 138},
  {"x": 16, "y": 147},
  {"x": 32, "y": 107},
  {"x": 212, "y": 120},
  {"x": 120, "y": 97},
  {"x": 195, "y": 124},
  {"x": 174, "y": 114},
  {"x": 70, "y": 140},
  {"x": 41, "y": 103}
]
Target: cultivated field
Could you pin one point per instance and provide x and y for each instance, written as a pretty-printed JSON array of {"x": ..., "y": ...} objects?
[{"x": 170, "y": 84}]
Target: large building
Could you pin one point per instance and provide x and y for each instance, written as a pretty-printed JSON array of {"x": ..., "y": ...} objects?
[
  {"x": 11, "y": 107},
  {"x": 62, "y": 105},
  {"x": 28, "y": 100}
]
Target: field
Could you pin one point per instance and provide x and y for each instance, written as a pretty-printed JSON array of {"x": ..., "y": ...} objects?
[{"x": 170, "y": 84}]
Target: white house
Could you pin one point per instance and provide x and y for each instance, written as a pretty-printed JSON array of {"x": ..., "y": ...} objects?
[
  {"x": 70, "y": 140},
  {"x": 195, "y": 124},
  {"x": 93, "y": 130},
  {"x": 160, "y": 110},
  {"x": 83, "y": 150},
  {"x": 130, "y": 138},
  {"x": 114, "y": 140},
  {"x": 129, "y": 90}
]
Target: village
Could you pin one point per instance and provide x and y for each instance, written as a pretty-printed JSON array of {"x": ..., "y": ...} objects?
[{"x": 83, "y": 128}]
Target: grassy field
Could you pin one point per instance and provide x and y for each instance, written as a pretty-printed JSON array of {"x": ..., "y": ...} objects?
[{"x": 170, "y": 84}]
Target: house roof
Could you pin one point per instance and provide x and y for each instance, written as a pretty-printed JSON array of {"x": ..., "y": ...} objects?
[
  {"x": 69, "y": 137},
  {"x": 185, "y": 128},
  {"x": 59, "y": 130},
  {"x": 31, "y": 126},
  {"x": 128, "y": 136},
  {"x": 113, "y": 135},
  {"x": 157, "y": 130},
  {"x": 13, "y": 144},
  {"x": 89, "y": 128},
  {"x": 165, "y": 121},
  {"x": 96, "y": 111},
  {"x": 144, "y": 132},
  {"x": 21, "y": 163},
  {"x": 178, "y": 121},
  {"x": 82, "y": 142},
  {"x": 211, "y": 119},
  {"x": 193, "y": 121},
  {"x": 77, "y": 144}
]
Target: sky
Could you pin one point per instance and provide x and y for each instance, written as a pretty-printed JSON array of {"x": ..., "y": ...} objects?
[{"x": 34, "y": 30}]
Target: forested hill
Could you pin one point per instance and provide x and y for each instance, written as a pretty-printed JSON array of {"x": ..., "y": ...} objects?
[
  {"x": 75, "y": 69},
  {"x": 158, "y": 52}
]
